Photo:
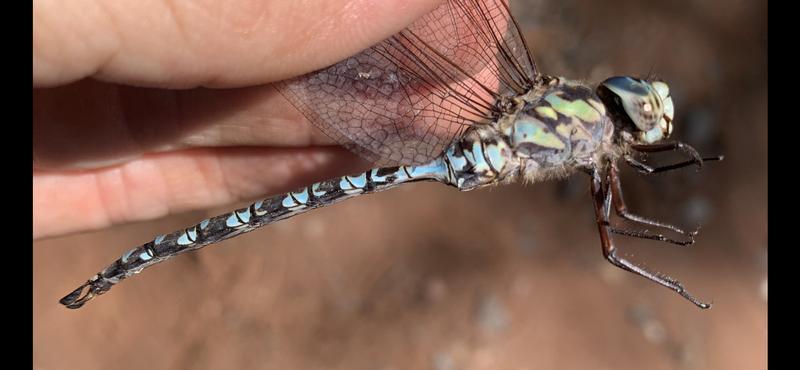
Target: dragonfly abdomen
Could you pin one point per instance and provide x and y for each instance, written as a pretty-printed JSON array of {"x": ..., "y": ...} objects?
[{"x": 247, "y": 219}]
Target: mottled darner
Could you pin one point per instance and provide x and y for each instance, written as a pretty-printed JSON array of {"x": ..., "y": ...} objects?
[{"x": 456, "y": 98}]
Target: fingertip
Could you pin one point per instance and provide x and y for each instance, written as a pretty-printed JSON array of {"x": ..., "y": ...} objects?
[{"x": 216, "y": 44}]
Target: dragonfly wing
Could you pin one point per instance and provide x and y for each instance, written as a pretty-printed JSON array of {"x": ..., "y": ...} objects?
[{"x": 404, "y": 100}]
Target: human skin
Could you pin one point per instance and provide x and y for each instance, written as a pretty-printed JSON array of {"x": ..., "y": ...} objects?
[{"x": 143, "y": 109}]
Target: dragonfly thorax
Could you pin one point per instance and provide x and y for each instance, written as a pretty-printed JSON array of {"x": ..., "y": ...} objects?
[
  {"x": 562, "y": 126},
  {"x": 557, "y": 129}
]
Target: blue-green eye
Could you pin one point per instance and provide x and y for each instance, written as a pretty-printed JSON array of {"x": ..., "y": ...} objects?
[
  {"x": 669, "y": 109},
  {"x": 653, "y": 135},
  {"x": 640, "y": 100}
]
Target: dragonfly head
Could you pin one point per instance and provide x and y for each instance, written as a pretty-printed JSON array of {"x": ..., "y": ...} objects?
[{"x": 641, "y": 108}]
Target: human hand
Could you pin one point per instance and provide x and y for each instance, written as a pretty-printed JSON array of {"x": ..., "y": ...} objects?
[{"x": 146, "y": 109}]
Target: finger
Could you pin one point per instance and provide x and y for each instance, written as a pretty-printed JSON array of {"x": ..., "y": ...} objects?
[
  {"x": 161, "y": 184},
  {"x": 89, "y": 124},
  {"x": 184, "y": 43}
]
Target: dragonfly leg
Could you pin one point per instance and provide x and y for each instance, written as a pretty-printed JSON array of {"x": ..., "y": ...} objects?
[
  {"x": 671, "y": 146},
  {"x": 621, "y": 210},
  {"x": 647, "y": 170},
  {"x": 602, "y": 199},
  {"x": 656, "y": 237},
  {"x": 696, "y": 159}
]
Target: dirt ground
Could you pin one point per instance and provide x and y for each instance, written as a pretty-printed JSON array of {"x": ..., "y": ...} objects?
[{"x": 425, "y": 277}]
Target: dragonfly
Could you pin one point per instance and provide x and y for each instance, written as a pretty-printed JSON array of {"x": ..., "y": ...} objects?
[{"x": 456, "y": 98}]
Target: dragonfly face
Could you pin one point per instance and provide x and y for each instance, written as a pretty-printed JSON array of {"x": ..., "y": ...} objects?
[{"x": 642, "y": 109}]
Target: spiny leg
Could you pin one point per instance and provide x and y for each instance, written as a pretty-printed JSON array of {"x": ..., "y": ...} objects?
[
  {"x": 622, "y": 211},
  {"x": 696, "y": 159},
  {"x": 671, "y": 146},
  {"x": 647, "y": 170},
  {"x": 656, "y": 237},
  {"x": 602, "y": 198}
]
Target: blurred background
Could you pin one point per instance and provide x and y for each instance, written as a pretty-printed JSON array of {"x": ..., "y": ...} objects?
[{"x": 425, "y": 277}]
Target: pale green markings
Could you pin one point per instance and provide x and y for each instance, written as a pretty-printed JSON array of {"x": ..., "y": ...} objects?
[
  {"x": 577, "y": 108},
  {"x": 531, "y": 130},
  {"x": 547, "y": 112},
  {"x": 564, "y": 130},
  {"x": 494, "y": 153},
  {"x": 598, "y": 106}
]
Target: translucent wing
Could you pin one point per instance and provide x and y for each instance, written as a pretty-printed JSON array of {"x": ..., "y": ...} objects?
[{"x": 405, "y": 99}]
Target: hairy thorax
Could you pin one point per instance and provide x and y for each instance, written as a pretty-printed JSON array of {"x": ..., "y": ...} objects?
[{"x": 558, "y": 131}]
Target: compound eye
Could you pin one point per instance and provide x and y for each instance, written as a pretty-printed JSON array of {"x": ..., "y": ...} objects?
[
  {"x": 639, "y": 99},
  {"x": 669, "y": 109},
  {"x": 655, "y": 134}
]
